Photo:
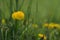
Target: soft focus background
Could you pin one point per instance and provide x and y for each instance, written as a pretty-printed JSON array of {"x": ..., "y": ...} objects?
[{"x": 41, "y": 17}]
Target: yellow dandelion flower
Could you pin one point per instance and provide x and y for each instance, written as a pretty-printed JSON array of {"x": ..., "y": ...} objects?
[
  {"x": 45, "y": 37},
  {"x": 40, "y": 35},
  {"x": 57, "y": 26},
  {"x": 34, "y": 25},
  {"x": 19, "y": 15},
  {"x": 3, "y": 21},
  {"x": 51, "y": 25}
]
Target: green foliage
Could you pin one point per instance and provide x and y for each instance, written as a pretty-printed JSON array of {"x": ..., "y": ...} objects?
[{"x": 36, "y": 12}]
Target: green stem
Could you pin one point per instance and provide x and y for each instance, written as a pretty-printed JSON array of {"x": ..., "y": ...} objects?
[
  {"x": 15, "y": 28},
  {"x": 16, "y": 5},
  {"x": 13, "y": 35},
  {"x": 2, "y": 33},
  {"x": 25, "y": 30},
  {"x": 6, "y": 34},
  {"x": 29, "y": 8},
  {"x": 21, "y": 5}
]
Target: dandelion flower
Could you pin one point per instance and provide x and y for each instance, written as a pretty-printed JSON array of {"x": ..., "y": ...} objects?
[
  {"x": 51, "y": 25},
  {"x": 57, "y": 26},
  {"x": 45, "y": 37},
  {"x": 34, "y": 25},
  {"x": 42, "y": 36},
  {"x": 19, "y": 15},
  {"x": 3, "y": 21}
]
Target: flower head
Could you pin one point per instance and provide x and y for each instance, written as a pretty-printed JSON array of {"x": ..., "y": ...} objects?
[
  {"x": 3, "y": 21},
  {"x": 42, "y": 36},
  {"x": 19, "y": 15},
  {"x": 34, "y": 25},
  {"x": 57, "y": 26},
  {"x": 50, "y": 25}
]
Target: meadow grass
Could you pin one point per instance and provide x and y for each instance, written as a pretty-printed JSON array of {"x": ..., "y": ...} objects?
[{"x": 40, "y": 20}]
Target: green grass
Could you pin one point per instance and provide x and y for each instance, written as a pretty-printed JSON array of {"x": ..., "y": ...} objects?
[{"x": 36, "y": 12}]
